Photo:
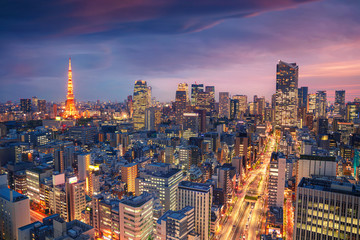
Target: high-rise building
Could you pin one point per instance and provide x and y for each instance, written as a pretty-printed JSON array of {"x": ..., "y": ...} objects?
[
  {"x": 84, "y": 161},
  {"x": 162, "y": 180},
  {"x": 321, "y": 104},
  {"x": 199, "y": 196},
  {"x": 225, "y": 175},
  {"x": 287, "y": 75},
  {"x": 234, "y": 109},
  {"x": 210, "y": 90},
  {"x": 14, "y": 213},
  {"x": 327, "y": 208},
  {"x": 311, "y": 103},
  {"x": 181, "y": 101},
  {"x": 151, "y": 121},
  {"x": 68, "y": 199},
  {"x": 129, "y": 173},
  {"x": 175, "y": 225},
  {"x": 70, "y": 107},
  {"x": 352, "y": 111},
  {"x": 191, "y": 123},
  {"x": 105, "y": 216},
  {"x": 195, "y": 89},
  {"x": 242, "y": 104},
  {"x": 340, "y": 102},
  {"x": 136, "y": 217},
  {"x": 25, "y": 105},
  {"x": 303, "y": 97},
  {"x": 141, "y": 102},
  {"x": 224, "y": 105},
  {"x": 277, "y": 179},
  {"x": 34, "y": 177},
  {"x": 41, "y": 105},
  {"x": 309, "y": 165}
]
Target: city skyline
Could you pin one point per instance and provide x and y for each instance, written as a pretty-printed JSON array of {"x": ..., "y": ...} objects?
[{"x": 232, "y": 46}]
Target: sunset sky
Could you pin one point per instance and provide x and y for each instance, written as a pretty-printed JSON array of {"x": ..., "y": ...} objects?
[{"x": 231, "y": 44}]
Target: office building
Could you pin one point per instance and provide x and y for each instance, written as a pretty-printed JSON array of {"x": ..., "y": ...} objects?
[
  {"x": 195, "y": 89},
  {"x": 199, "y": 196},
  {"x": 129, "y": 173},
  {"x": 162, "y": 180},
  {"x": 68, "y": 199},
  {"x": 242, "y": 104},
  {"x": 339, "y": 104},
  {"x": 321, "y": 104},
  {"x": 309, "y": 165},
  {"x": 224, "y": 105},
  {"x": 303, "y": 97},
  {"x": 105, "y": 216},
  {"x": 34, "y": 177},
  {"x": 327, "y": 208},
  {"x": 352, "y": 111},
  {"x": 25, "y": 105},
  {"x": 276, "y": 185},
  {"x": 86, "y": 135},
  {"x": 136, "y": 215},
  {"x": 140, "y": 103},
  {"x": 234, "y": 109},
  {"x": 84, "y": 161},
  {"x": 150, "y": 119},
  {"x": 286, "y": 104},
  {"x": 54, "y": 227},
  {"x": 175, "y": 225},
  {"x": 311, "y": 103},
  {"x": 181, "y": 101},
  {"x": 14, "y": 213}
]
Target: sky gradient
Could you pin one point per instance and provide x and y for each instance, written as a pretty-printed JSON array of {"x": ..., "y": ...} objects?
[{"x": 231, "y": 44}]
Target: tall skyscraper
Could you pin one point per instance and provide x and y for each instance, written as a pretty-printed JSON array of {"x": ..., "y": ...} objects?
[
  {"x": 302, "y": 97},
  {"x": 287, "y": 75},
  {"x": 242, "y": 104},
  {"x": 340, "y": 102},
  {"x": 311, "y": 103},
  {"x": 327, "y": 208},
  {"x": 234, "y": 109},
  {"x": 70, "y": 108},
  {"x": 14, "y": 213},
  {"x": 321, "y": 104},
  {"x": 224, "y": 105},
  {"x": 199, "y": 196},
  {"x": 210, "y": 90},
  {"x": 25, "y": 105},
  {"x": 141, "y": 102},
  {"x": 41, "y": 107},
  {"x": 181, "y": 101},
  {"x": 195, "y": 89}
]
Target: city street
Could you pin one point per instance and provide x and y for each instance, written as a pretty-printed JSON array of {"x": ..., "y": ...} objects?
[
  {"x": 239, "y": 217},
  {"x": 36, "y": 216}
]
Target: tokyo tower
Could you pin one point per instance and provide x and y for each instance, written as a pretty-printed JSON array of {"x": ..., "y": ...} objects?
[{"x": 70, "y": 108}]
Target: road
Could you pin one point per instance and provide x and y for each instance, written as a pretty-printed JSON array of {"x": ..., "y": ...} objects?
[
  {"x": 241, "y": 210},
  {"x": 36, "y": 216}
]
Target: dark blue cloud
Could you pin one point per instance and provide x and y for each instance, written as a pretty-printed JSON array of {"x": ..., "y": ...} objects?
[{"x": 79, "y": 17}]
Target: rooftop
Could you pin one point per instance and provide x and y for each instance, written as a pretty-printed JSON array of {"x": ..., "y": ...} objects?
[
  {"x": 319, "y": 158},
  {"x": 203, "y": 187},
  {"x": 136, "y": 201},
  {"x": 5, "y": 194},
  {"x": 330, "y": 184}
]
